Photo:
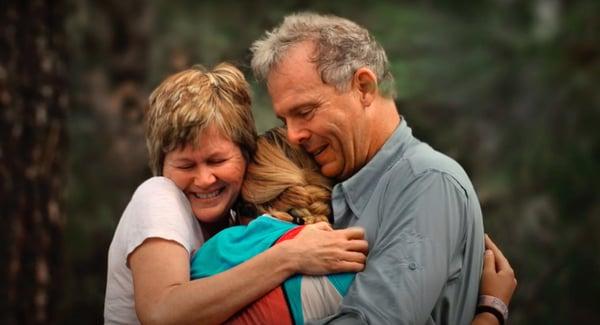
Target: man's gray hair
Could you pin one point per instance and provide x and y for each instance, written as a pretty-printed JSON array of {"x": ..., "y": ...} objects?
[{"x": 341, "y": 48}]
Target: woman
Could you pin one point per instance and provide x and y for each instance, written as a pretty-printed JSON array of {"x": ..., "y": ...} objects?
[
  {"x": 200, "y": 134},
  {"x": 284, "y": 184}
]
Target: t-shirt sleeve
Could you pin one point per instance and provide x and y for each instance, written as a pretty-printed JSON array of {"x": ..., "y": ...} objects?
[{"x": 159, "y": 209}]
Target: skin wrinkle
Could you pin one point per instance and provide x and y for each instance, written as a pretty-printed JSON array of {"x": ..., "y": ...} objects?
[
  {"x": 182, "y": 106},
  {"x": 335, "y": 113},
  {"x": 217, "y": 164}
]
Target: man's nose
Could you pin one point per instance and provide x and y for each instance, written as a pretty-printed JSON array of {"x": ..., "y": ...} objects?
[{"x": 297, "y": 135}]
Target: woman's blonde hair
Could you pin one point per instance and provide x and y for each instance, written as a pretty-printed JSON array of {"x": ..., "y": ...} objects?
[
  {"x": 188, "y": 102},
  {"x": 281, "y": 180}
]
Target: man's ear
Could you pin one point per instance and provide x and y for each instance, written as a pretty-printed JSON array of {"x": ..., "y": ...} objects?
[{"x": 365, "y": 82}]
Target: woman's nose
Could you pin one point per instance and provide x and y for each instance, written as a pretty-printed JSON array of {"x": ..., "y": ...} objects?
[{"x": 204, "y": 177}]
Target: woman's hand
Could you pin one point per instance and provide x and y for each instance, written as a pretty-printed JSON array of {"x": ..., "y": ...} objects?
[
  {"x": 319, "y": 250},
  {"x": 498, "y": 278}
]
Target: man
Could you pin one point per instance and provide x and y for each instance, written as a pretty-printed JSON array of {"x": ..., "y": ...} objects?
[{"x": 329, "y": 81}]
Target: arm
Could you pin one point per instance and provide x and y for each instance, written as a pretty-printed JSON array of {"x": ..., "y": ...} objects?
[
  {"x": 497, "y": 280},
  {"x": 164, "y": 294}
]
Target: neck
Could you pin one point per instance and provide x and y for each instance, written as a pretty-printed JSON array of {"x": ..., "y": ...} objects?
[{"x": 384, "y": 121}]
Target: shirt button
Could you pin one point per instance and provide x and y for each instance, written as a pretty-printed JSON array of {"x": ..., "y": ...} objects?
[{"x": 412, "y": 266}]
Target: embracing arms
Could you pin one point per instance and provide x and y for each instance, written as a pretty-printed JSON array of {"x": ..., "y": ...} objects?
[{"x": 164, "y": 294}]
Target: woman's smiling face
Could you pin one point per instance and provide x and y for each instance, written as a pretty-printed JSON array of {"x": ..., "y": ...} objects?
[{"x": 210, "y": 174}]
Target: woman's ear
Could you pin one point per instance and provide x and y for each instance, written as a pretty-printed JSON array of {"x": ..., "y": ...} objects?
[{"x": 365, "y": 81}]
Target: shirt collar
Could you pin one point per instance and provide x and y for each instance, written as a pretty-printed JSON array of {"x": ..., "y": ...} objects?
[{"x": 359, "y": 188}]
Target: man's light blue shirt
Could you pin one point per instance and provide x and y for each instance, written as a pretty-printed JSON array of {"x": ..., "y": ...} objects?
[{"x": 424, "y": 226}]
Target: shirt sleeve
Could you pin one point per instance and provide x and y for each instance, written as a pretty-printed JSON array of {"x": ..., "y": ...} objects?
[
  {"x": 158, "y": 209},
  {"x": 417, "y": 250}
]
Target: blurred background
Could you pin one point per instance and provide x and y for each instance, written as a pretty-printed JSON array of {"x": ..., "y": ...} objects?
[{"x": 508, "y": 88}]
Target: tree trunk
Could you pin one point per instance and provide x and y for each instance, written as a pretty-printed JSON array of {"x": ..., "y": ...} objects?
[{"x": 33, "y": 105}]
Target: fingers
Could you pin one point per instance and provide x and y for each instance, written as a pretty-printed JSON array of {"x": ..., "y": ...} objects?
[
  {"x": 502, "y": 264},
  {"x": 331, "y": 251},
  {"x": 321, "y": 226},
  {"x": 490, "y": 245},
  {"x": 488, "y": 242},
  {"x": 354, "y": 237},
  {"x": 347, "y": 266},
  {"x": 353, "y": 233},
  {"x": 353, "y": 257},
  {"x": 356, "y": 245},
  {"x": 489, "y": 263}
]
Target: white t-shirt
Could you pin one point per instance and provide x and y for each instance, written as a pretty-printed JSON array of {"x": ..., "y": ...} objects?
[{"x": 158, "y": 209}]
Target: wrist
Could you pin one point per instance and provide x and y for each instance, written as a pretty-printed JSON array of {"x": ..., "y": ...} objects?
[
  {"x": 494, "y": 306},
  {"x": 487, "y": 318},
  {"x": 285, "y": 258}
]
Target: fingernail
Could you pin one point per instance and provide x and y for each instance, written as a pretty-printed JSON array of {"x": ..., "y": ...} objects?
[{"x": 488, "y": 252}]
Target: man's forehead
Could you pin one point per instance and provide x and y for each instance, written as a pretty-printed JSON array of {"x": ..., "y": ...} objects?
[
  {"x": 294, "y": 81},
  {"x": 292, "y": 92},
  {"x": 298, "y": 56},
  {"x": 288, "y": 81}
]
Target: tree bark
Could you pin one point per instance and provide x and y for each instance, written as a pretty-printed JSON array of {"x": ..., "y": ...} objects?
[{"x": 33, "y": 107}]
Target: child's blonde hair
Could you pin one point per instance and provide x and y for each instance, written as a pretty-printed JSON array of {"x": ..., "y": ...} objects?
[{"x": 284, "y": 182}]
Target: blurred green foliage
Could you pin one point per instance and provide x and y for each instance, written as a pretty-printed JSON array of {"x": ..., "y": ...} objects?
[{"x": 508, "y": 88}]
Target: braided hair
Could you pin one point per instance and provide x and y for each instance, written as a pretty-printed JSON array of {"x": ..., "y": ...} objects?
[{"x": 281, "y": 180}]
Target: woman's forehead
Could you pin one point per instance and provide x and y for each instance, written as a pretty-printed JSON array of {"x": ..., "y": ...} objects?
[{"x": 212, "y": 133}]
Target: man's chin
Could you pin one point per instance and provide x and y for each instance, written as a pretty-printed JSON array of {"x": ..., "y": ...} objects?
[{"x": 331, "y": 170}]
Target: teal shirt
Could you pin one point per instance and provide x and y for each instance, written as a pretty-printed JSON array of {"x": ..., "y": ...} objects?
[
  {"x": 424, "y": 226},
  {"x": 235, "y": 245}
]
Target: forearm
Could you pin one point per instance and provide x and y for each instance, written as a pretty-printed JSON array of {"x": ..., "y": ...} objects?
[
  {"x": 214, "y": 299},
  {"x": 164, "y": 294}
]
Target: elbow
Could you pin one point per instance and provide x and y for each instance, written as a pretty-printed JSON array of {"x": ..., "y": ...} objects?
[
  {"x": 154, "y": 316},
  {"x": 148, "y": 318}
]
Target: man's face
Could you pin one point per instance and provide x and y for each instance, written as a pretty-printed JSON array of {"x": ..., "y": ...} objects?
[{"x": 328, "y": 124}]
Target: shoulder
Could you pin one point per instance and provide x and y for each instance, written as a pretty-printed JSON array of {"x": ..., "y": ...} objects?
[
  {"x": 422, "y": 164},
  {"x": 158, "y": 208},
  {"x": 157, "y": 201},
  {"x": 156, "y": 185},
  {"x": 158, "y": 191},
  {"x": 423, "y": 159}
]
